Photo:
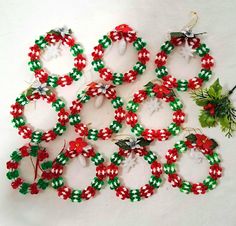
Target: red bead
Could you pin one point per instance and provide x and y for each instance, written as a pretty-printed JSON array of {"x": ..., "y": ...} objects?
[
  {"x": 49, "y": 135},
  {"x": 122, "y": 192},
  {"x": 16, "y": 110},
  {"x": 207, "y": 62},
  {"x": 64, "y": 192},
  {"x": 41, "y": 75},
  {"x": 177, "y": 41},
  {"x": 140, "y": 96},
  {"x": 169, "y": 82},
  {"x": 112, "y": 171},
  {"x": 105, "y": 133},
  {"x": 172, "y": 155},
  {"x": 63, "y": 116},
  {"x": 156, "y": 168},
  {"x": 25, "y": 131},
  {"x": 115, "y": 36},
  {"x": 120, "y": 114},
  {"x": 161, "y": 58},
  {"x": 24, "y": 151},
  {"x": 199, "y": 188},
  {"x": 131, "y": 118},
  {"x": 194, "y": 42},
  {"x": 162, "y": 134},
  {"x": 34, "y": 53},
  {"x": 12, "y": 165},
  {"x": 75, "y": 107},
  {"x": 175, "y": 180},
  {"x": 178, "y": 117},
  {"x": 215, "y": 171},
  {"x": 130, "y": 76},
  {"x": 101, "y": 172},
  {"x": 42, "y": 154},
  {"x": 68, "y": 40},
  {"x": 106, "y": 74},
  {"x": 81, "y": 129},
  {"x": 34, "y": 189},
  {"x": 88, "y": 193},
  {"x": 143, "y": 56},
  {"x": 98, "y": 52},
  {"x": 57, "y": 170},
  {"x": 16, "y": 183},
  {"x": 64, "y": 80},
  {"x": 80, "y": 62},
  {"x": 149, "y": 134},
  {"x": 195, "y": 83}
]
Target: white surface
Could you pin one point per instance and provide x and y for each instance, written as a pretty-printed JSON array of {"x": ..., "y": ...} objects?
[{"x": 21, "y": 22}]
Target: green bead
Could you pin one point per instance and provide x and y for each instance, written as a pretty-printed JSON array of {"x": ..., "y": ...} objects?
[
  {"x": 117, "y": 102},
  {"x": 22, "y": 100},
  {"x": 115, "y": 126},
  {"x": 58, "y": 105},
  {"x": 202, "y": 50},
  {"x": 161, "y": 72},
  {"x": 35, "y": 65},
  {"x": 59, "y": 129},
  {"x": 205, "y": 74},
  {"x": 76, "y": 196},
  {"x": 93, "y": 134},
  {"x": 24, "y": 188},
  {"x": 62, "y": 159},
  {"x": 74, "y": 119},
  {"x": 137, "y": 130},
  {"x": 118, "y": 78},
  {"x": 134, "y": 195},
  {"x": 57, "y": 182},
  {"x": 174, "y": 129},
  {"x": 132, "y": 106},
  {"x": 16, "y": 156},
  {"x": 105, "y": 41},
  {"x": 18, "y": 122},
  {"x": 36, "y": 137},
  {"x": 97, "y": 184},
  {"x": 150, "y": 157},
  {"x": 83, "y": 97},
  {"x": 52, "y": 81},
  {"x": 76, "y": 49},
  {"x": 139, "y": 67},
  {"x": 181, "y": 146},
  {"x": 42, "y": 184},
  {"x": 12, "y": 174},
  {"x": 139, "y": 44},
  {"x": 41, "y": 42},
  {"x": 167, "y": 47},
  {"x": 114, "y": 184},
  {"x": 186, "y": 187},
  {"x": 116, "y": 159},
  {"x": 34, "y": 150},
  {"x": 46, "y": 165},
  {"x": 155, "y": 182},
  {"x": 182, "y": 85},
  {"x": 97, "y": 159},
  {"x": 176, "y": 104},
  {"x": 169, "y": 168},
  {"x": 149, "y": 91},
  {"x": 97, "y": 65},
  {"x": 213, "y": 159},
  {"x": 210, "y": 183},
  {"x": 75, "y": 74}
]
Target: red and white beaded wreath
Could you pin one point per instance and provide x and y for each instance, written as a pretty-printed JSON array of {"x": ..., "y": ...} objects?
[
  {"x": 206, "y": 147},
  {"x": 193, "y": 44},
  {"x": 96, "y": 89},
  {"x": 129, "y": 35},
  {"x": 35, "y": 92},
  {"x": 13, "y": 169},
  {"x": 62, "y": 36},
  {"x": 161, "y": 92},
  {"x": 78, "y": 147},
  {"x": 138, "y": 147}
]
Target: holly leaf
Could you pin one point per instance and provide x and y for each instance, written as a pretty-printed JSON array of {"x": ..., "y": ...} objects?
[
  {"x": 214, "y": 144},
  {"x": 29, "y": 92},
  {"x": 215, "y": 89},
  {"x": 149, "y": 85},
  {"x": 191, "y": 137},
  {"x": 224, "y": 123},
  {"x": 142, "y": 142},
  {"x": 206, "y": 119},
  {"x": 176, "y": 34},
  {"x": 202, "y": 102},
  {"x": 123, "y": 144}
]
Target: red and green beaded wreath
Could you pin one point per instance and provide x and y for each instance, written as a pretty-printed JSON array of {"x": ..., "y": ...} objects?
[
  {"x": 51, "y": 38},
  {"x": 206, "y": 147},
  {"x": 13, "y": 173},
  {"x": 138, "y": 147},
  {"x": 160, "y": 92},
  {"x": 96, "y": 89},
  {"x": 78, "y": 147},
  {"x": 129, "y": 35},
  {"x": 179, "y": 39},
  {"x": 33, "y": 94}
]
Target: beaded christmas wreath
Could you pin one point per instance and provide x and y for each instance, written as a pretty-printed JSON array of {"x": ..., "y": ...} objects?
[
  {"x": 196, "y": 47},
  {"x": 35, "y": 92},
  {"x": 96, "y": 89},
  {"x": 138, "y": 147},
  {"x": 206, "y": 147},
  {"x": 78, "y": 147},
  {"x": 160, "y": 92},
  {"x": 14, "y": 175},
  {"x": 61, "y": 36},
  {"x": 129, "y": 35}
]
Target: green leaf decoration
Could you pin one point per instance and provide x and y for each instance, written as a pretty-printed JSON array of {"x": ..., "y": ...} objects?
[
  {"x": 176, "y": 34},
  {"x": 142, "y": 142},
  {"x": 215, "y": 89},
  {"x": 191, "y": 137},
  {"x": 214, "y": 144},
  {"x": 123, "y": 144},
  {"x": 206, "y": 119},
  {"x": 29, "y": 91},
  {"x": 149, "y": 85}
]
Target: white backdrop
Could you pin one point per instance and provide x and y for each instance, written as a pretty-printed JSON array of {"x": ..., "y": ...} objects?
[{"x": 21, "y": 22}]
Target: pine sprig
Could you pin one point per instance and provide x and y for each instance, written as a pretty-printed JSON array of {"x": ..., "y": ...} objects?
[{"x": 217, "y": 108}]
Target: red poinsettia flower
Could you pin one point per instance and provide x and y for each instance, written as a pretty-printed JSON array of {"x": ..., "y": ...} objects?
[
  {"x": 123, "y": 28},
  {"x": 160, "y": 91},
  {"x": 203, "y": 142},
  {"x": 78, "y": 145}
]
